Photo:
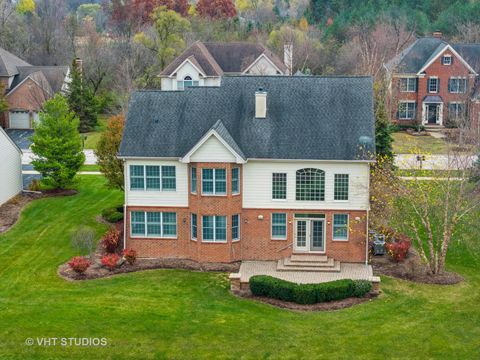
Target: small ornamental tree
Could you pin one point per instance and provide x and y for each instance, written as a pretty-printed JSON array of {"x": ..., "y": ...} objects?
[
  {"x": 111, "y": 240},
  {"x": 82, "y": 101},
  {"x": 383, "y": 132},
  {"x": 57, "y": 144},
  {"x": 107, "y": 150}
]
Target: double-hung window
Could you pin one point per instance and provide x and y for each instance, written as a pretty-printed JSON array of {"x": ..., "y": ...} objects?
[
  {"x": 407, "y": 110},
  {"x": 236, "y": 180},
  {"x": 214, "y": 181},
  {"x": 447, "y": 60},
  {"x": 457, "y": 85},
  {"x": 186, "y": 82},
  {"x": 193, "y": 180},
  {"x": 279, "y": 186},
  {"x": 408, "y": 84},
  {"x": 214, "y": 228},
  {"x": 194, "y": 226},
  {"x": 153, "y": 224},
  {"x": 152, "y": 177},
  {"x": 341, "y": 187},
  {"x": 433, "y": 84},
  {"x": 456, "y": 110},
  {"x": 279, "y": 226},
  {"x": 340, "y": 226},
  {"x": 235, "y": 227}
]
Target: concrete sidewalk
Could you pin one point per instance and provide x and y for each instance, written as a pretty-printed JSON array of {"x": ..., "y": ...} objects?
[
  {"x": 434, "y": 162},
  {"x": 90, "y": 158}
]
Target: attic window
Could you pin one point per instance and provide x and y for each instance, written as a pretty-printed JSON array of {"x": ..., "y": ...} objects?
[
  {"x": 447, "y": 60},
  {"x": 186, "y": 82}
]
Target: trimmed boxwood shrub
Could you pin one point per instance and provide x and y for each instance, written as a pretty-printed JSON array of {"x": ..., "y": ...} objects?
[
  {"x": 113, "y": 214},
  {"x": 262, "y": 285}
]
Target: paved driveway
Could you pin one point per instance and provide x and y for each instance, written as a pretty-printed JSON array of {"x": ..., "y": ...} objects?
[{"x": 21, "y": 137}]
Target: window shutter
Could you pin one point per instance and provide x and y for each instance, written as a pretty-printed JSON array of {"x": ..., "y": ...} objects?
[
  {"x": 438, "y": 85},
  {"x": 416, "y": 84},
  {"x": 450, "y": 85},
  {"x": 451, "y": 60}
]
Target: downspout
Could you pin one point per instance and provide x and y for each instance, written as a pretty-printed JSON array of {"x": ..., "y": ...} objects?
[
  {"x": 366, "y": 241},
  {"x": 125, "y": 217}
]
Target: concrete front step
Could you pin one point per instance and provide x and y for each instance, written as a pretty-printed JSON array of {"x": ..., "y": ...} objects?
[
  {"x": 282, "y": 267},
  {"x": 299, "y": 263},
  {"x": 308, "y": 258}
]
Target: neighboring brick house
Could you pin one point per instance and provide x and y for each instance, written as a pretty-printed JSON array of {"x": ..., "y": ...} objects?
[
  {"x": 27, "y": 87},
  {"x": 434, "y": 83},
  {"x": 256, "y": 169},
  {"x": 204, "y": 64}
]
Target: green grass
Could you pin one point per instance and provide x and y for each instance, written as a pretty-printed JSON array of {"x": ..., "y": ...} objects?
[
  {"x": 93, "y": 137},
  {"x": 90, "y": 168},
  {"x": 191, "y": 315},
  {"x": 405, "y": 143}
]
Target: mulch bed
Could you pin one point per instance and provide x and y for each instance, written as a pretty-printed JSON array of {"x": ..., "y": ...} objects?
[
  {"x": 325, "y": 306},
  {"x": 10, "y": 211},
  {"x": 412, "y": 269}
]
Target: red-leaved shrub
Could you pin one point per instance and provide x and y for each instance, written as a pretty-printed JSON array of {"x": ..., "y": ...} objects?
[
  {"x": 110, "y": 240},
  {"x": 398, "y": 250},
  {"x": 79, "y": 264},
  {"x": 130, "y": 255},
  {"x": 110, "y": 261}
]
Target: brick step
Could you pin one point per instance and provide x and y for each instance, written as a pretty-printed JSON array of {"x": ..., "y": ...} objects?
[
  {"x": 334, "y": 268},
  {"x": 308, "y": 258},
  {"x": 296, "y": 263}
]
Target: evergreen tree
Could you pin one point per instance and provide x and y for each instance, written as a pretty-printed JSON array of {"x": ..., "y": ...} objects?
[
  {"x": 383, "y": 129},
  {"x": 3, "y": 99},
  {"x": 57, "y": 144},
  {"x": 82, "y": 101}
]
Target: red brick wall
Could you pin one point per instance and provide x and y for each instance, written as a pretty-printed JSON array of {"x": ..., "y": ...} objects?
[{"x": 444, "y": 73}]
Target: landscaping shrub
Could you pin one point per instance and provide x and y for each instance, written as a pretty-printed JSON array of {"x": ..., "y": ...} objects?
[
  {"x": 130, "y": 255},
  {"x": 398, "y": 250},
  {"x": 361, "y": 288},
  {"x": 262, "y": 285},
  {"x": 79, "y": 264},
  {"x": 113, "y": 214},
  {"x": 83, "y": 240},
  {"x": 110, "y": 240},
  {"x": 110, "y": 261}
]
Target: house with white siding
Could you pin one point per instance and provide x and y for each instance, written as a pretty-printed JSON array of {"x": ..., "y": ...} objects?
[
  {"x": 10, "y": 168},
  {"x": 259, "y": 168}
]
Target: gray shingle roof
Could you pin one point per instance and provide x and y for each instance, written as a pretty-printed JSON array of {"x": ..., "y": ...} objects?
[
  {"x": 9, "y": 63},
  {"x": 55, "y": 75},
  {"x": 470, "y": 53},
  {"x": 320, "y": 118}
]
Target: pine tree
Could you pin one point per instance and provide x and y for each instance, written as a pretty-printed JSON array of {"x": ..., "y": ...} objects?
[
  {"x": 57, "y": 144},
  {"x": 383, "y": 130},
  {"x": 82, "y": 101}
]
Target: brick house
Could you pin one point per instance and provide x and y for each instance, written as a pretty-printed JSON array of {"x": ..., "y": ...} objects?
[
  {"x": 434, "y": 83},
  {"x": 204, "y": 64},
  {"x": 256, "y": 169},
  {"x": 27, "y": 87}
]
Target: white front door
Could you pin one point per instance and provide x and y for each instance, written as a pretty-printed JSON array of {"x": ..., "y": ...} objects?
[{"x": 309, "y": 235}]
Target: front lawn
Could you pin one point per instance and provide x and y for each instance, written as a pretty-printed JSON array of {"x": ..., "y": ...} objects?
[
  {"x": 404, "y": 143},
  {"x": 191, "y": 315},
  {"x": 93, "y": 137}
]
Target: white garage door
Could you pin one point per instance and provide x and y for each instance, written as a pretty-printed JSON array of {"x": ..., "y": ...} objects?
[{"x": 19, "y": 120}]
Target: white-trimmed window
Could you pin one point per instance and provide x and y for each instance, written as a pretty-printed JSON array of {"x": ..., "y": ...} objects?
[
  {"x": 456, "y": 110},
  {"x": 433, "y": 84},
  {"x": 236, "y": 180},
  {"x": 408, "y": 84},
  {"x": 310, "y": 185},
  {"x": 186, "y": 82},
  {"x": 153, "y": 177},
  {"x": 407, "y": 110},
  {"x": 457, "y": 85},
  {"x": 235, "y": 227},
  {"x": 340, "y": 227},
  {"x": 214, "y": 228},
  {"x": 193, "y": 226},
  {"x": 447, "y": 59},
  {"x": 279, "y": 226},
  {"x": 340, "y": 191},
  {"x": 279, "y": 186},
  {"x": 214, "y": 181},
  {"x": 193, "y": 180},
  {"x": 153, "y": 224}
]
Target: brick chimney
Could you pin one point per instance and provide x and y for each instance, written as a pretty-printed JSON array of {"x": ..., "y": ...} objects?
[{"x": 437, "y": 34}]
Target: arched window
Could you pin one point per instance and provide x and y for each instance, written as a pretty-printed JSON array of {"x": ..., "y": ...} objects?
[
  {"x": 187, "y": 81},
  {"x": 310, "y": 185}
]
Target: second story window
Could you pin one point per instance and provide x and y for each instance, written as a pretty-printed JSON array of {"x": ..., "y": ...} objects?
[
  {"x": 447, "y": 60},
  {"x": 153, "y": 177},
  {"x": 340, "y": 191},
  {"x": 279, "y": 186},
  {"x": 236, "y": 181},
  {"x": 433, "y": 85},
  {"x": 214, "y": 181},
  {"x": 408, "y": 84},
  {"x": 457, "y": 85},
  {"x": 310, "y": 185}
]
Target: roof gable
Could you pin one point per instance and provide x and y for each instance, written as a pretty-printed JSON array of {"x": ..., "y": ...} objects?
[
  {"x": 9, "y": 63},
  {"x": 441, "y": 50},
  {"x": 317, "y": 118}
]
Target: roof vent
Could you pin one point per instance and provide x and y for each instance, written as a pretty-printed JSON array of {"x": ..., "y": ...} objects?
[{"x": 260, "y": 104}]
